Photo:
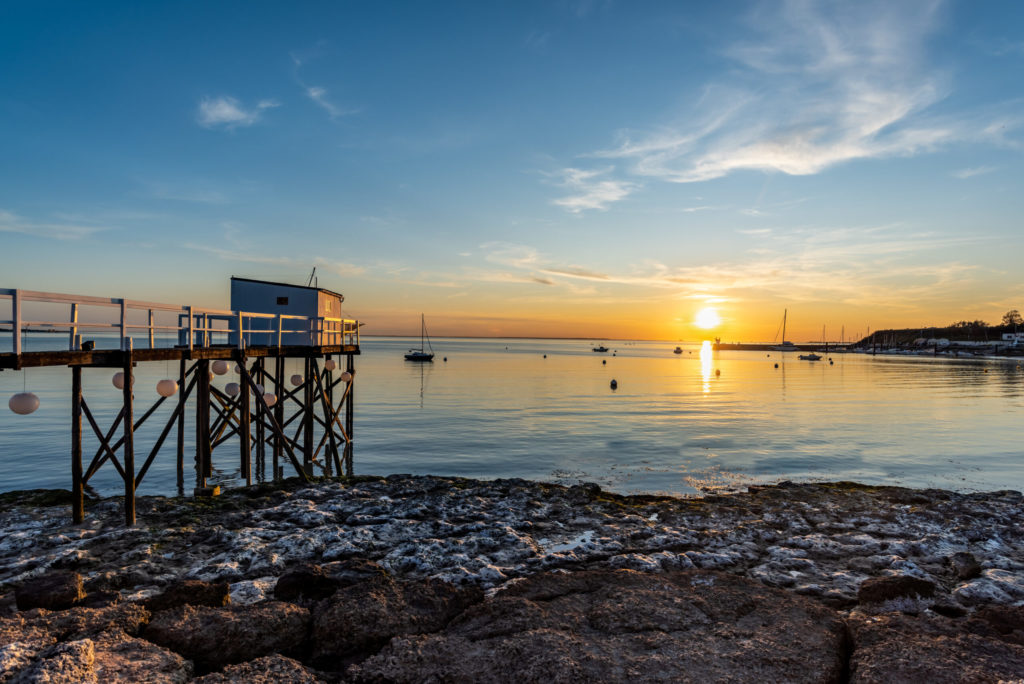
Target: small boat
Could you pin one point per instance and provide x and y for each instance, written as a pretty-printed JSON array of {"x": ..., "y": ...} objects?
[
  {"x": 785, "y": 346},
  {"x": 602, "y": 348},
  {"x": 809, "y": 357},
  {"x": 677, "y": 350},
  {"x": 419, "y": 354}
]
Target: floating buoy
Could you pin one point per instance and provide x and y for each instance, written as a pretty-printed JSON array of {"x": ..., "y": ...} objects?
[
  {"x": 330, "y": 364},
  {"x": 296, "y": 379},
  {"x": 168, "y": 387},
  {"x": 830, "y": 362},
  {"x": 546, "y": 356},
  {"x": 220, "y": 367},
  {"x": 23, "y": 403},
  {"x": 776, "y": 365},
  {"x": 614, "y": 384},
  {"x": 346, "y": 377},
  {"x": 604, "y": 362},
  {"x": 717, "y": 372},
  {"x": 260, "y": 389},
  {"x": 270, "y": 398},
  {"x": 446, "y": 359},
  {"x": 118, "y": 380},
  {"x": 232, "y": 389}
]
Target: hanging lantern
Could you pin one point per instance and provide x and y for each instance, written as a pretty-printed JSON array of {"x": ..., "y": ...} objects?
[
  {"x": 238, "y": 369},
  {"x": 232, "y": 389},
  {"x": 346, "y": 377},
  {"x": 220, "y": 367},
  {"x": 118, "y": 380},
  {"x": 270, "y": 398},
  {"x": 296, "y": 379},
  {"x": 23, "y": 403},
  {"x": 167, "y": 387},
  {"x": 259, "y": 389},
  {"x": 330, "y": 364}
]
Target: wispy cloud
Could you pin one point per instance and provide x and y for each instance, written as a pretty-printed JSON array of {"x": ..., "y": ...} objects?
[
  {"x": 963, "y": 174},
  {"x": 12, "y": 223},
  {"x": 592, "y": 189},
  {"x": 822, "y": 84},
  {"x": 227, "y": 112},
  {"x": 318, "y": 94}
]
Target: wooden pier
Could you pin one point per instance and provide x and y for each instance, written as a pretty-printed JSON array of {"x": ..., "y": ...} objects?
[{"x": 304, "y": 422}]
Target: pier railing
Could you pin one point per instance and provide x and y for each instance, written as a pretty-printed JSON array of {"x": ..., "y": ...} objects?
[{"x": 193, "y": 326}]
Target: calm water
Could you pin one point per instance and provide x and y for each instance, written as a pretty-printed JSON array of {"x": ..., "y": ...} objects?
[{"x": 498, "y": 408}]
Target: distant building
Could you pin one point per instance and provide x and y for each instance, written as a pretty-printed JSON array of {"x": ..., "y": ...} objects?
[
  {"x": 1013, "y": 337},
  {"x": 265, "y": 297}
]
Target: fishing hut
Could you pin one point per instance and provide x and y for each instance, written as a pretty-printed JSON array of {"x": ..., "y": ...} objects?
[{"x": 303, "y": 422}]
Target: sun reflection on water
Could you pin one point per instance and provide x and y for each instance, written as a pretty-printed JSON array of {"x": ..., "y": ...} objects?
[{"x": 705, "y": 365}]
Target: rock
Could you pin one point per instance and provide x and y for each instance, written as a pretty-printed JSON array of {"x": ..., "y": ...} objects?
[
  {"x": 1000, "y": 622},
  {"x": 71, "y": 662},
  {"x": 307, "y": 581},
  {"x": 275, "y": 669},
  {"x": 77, "y": 623},
  {"x": 353, "y": 571},
  {"x": 190, "y": 592},
  {"x": 879, "y": 589},
  {"x": 625, "y": 626},
  {"x": 358, "y": 620},
  {"x": 901, "y": 648},
  {"x": 53, "y": 591},
  {"x": 214, "y": 637},
  {"x": 965, "y": 565}
]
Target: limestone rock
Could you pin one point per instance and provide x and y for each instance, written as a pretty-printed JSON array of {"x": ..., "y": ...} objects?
[
  {"x": 53, "y": 591},
  {"x": 190, "y": 592},
  {"x": 901, "y": 648},
  {"x": 275, "y": 669},
  {"x": 69, "y": 662},
  {"x": 357, "y": 620},
  {"x": 308, "y": 581},
  {"x": 625, "y": 626},
  {"x": 964, "y": 565},
  {"x": 879, "y": 589},
  {"x": 214, "y": 637}
]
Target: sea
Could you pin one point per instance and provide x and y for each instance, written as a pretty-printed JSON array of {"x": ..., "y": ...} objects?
[{"x": 685, "y": 424}]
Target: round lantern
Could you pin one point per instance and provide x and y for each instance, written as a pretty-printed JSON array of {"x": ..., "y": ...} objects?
[
  {"x": 220, "y": 367},
  {"x": 330, "y": 364},
  {"x": 270, "y": 398},
  {"x": 23, "y": 403},
  {"x": 166, "y": 387},
  {"x": 118, "y": 380},
  {"x": 238, "y": 369},
  {"x": 259, "y": 389},
  {"x": 346, "y": 377},
  {"x": 296, "y": 379},
  {"x": 232, "y": 389}
]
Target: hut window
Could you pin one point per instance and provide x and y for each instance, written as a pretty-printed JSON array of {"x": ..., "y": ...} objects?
[{"x": 282, "y": 301}]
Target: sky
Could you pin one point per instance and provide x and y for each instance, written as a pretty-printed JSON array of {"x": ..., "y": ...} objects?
[{"x": 569, "y": 168}]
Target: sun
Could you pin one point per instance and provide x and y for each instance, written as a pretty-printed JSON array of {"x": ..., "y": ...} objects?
[{"x": 708, "y": 318}]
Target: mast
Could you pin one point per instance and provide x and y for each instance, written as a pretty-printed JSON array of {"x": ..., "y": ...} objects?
[
  {"x": 784, "y": 312},
  {"x": 423, "y": 329}
]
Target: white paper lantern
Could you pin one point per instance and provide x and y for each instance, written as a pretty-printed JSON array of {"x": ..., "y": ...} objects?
[
  {"x": 259, "y": 389},
  {"x": 23, "y": 403},
  {"x": 296, "y": 379},
  {"x": 167, "y": 387},
  {"x": 118, "y": 380},
  {"x": 330, "y": 364},
  {"x": 346, "y": 377},
  {"x": 232, "y": 389},
  {"x": 220, "y": 367},
  {"x": 238, "y": 369},
  {"x": 270, "y": 398}
]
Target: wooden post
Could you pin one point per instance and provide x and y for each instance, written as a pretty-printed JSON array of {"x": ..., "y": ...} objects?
[
  {"x": 151, "y": 341},
  {"x": 180, "y": 452},
  {"x": 203, "y": 455},
  {"x": 124, "y": 324},
  {"x": 244, "y": 423},
  {"x": 77, "y": 497},
  {"x": 350, "y": 366},
  {"x": 261, "y": 442},
  {"x": 73, "y": 328},
  {"x": 16, "y": 318},
  {"x": 129, "y": 435},
  {"x": 279, "y": 387},
  {"x": 307, "y": 418}
]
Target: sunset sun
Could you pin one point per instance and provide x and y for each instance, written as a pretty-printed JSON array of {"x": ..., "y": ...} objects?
[{"x": 708, "y": 318}]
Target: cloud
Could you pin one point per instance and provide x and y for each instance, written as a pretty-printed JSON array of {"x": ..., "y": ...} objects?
[
  {"x": 12, "y": 223},
  {"x": 963, "y": 174},
  {"x": 318, "y": 95},
  {"x": 591, "y": 190},
  {"x": 228, "y": 112},
  {"x": 820, "y": 85}
]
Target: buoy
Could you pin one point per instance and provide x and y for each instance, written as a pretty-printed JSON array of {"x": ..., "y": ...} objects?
[
  {"x": 270, "y": 398},
  {"x": 232, "y": 389},
  {"x": 768, "y": 355},
  {"x": 118, "y": 380},
  {"x": 446, "y": 359},
  {"x": 546, "y": 356},
  {"x": 220, "y": 367},
  {"x": 604, "y": 362},
  {"x": 717, "y": 372},
  {"x": 296, "y": 379},
  {"x": 346, "y": 377},
  {"x": 330, "y": 364},
  {"x": 776, "y": 365},
  {"x": 168, "y": 387},
  {"x": 986, "y": 370},
  {"x": 614, "y": 384},
  {"x": 830, "y": 362},
  {"x": 23, "y": 403}
]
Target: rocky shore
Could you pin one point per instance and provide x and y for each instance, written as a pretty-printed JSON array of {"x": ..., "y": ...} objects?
[{"x": 404, "y": 579}]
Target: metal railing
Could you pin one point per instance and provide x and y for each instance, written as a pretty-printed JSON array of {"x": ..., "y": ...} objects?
[{"x": 195, "y": 327}]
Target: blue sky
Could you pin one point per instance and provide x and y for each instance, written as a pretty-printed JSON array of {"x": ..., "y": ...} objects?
[{"x": 514, "y": 168}]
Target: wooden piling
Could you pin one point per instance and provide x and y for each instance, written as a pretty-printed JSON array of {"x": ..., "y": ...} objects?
[
  {"x": 307, "y": 417},
  {"x": 280, "y": 388},
  {"x": 244, "y": 426},
  {"x": 350, "y": 366},
  {"x": 77, "y": 489},
  {"x": 129, "y": 440},
  {"x": 180, "y": 447}
]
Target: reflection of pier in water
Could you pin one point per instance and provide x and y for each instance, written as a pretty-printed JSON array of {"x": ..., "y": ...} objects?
[{"x": 260, "y": 410}]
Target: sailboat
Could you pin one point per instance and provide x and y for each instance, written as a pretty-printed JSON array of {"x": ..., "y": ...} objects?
[
  {"x": 419, "y": 354},
  {"x": 785, "y": 346}
]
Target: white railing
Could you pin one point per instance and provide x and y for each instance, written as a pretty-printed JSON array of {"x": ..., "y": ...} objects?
[{"x": 195, "y": 327}]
